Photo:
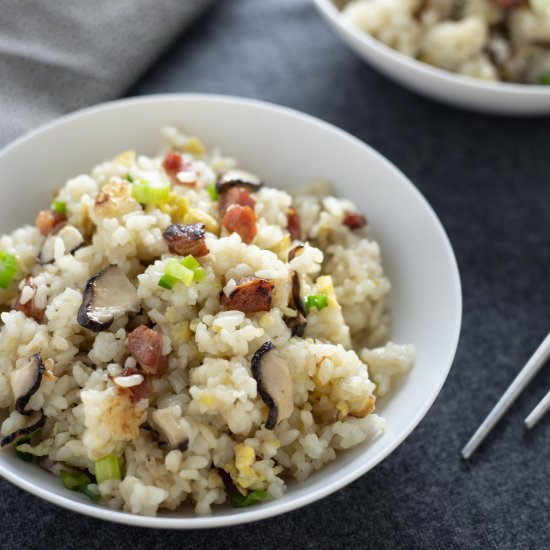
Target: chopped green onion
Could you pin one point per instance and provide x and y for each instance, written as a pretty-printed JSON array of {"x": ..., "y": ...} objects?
[
  {"x": 78, "y": 482},
  {"x": 199, "y": 273},
  {"x": 8, "y": 269},
  {"x": 90, "y": 494},
  {"x": 212, "y": 192},
  {"x": 168, "y": 282},
  {"x": 107, "y": 467},
  {"x": 130, "y": 178},
  {"x": 249, "y": 500},
  {"x": 190, "y": 263},
  {"x": 146, "y": 192},
  {"x": 59, "y": 207},
  {"x": 318, "y": 301},
  {"x": 544, "y": 79},
  {"x": 187, "y": 271},
  {"x": 73, "y": 482},
  {"x": 26, "y": 457}
]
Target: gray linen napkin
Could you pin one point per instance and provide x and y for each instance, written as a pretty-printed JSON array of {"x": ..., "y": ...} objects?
[{"x": 58, "y": 56}]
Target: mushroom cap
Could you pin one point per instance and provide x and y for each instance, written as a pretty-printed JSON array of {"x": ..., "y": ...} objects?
[
  {"x": 108, "y": 294},
  {"x": 240, "y": 178},
  {"x": 25, "y": 381},
  {"x": 168, "y": 426},
  {"x": 72, "y": 240},
  {"x": 274, "y": 384}
]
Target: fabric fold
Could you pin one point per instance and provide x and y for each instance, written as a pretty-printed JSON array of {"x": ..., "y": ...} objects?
[{"x": 56, "y": 57}]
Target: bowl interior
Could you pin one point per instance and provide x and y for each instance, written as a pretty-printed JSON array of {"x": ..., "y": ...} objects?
[{"x": 288, "y": 149}]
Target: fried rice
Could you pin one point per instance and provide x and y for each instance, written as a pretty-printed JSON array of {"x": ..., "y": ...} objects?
[{"x": 200, "y": 338}]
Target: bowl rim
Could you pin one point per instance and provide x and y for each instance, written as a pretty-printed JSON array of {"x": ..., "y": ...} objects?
[
  {"x": 276, "y": 507},
  {"x": 331, "y": 12}
]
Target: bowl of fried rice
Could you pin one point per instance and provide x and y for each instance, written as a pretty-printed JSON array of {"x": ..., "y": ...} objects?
[
  {"x": 213, "y": 310},
  {"x": 491, "y": 56}
]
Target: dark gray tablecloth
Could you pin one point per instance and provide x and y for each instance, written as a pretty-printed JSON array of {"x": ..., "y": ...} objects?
[{"x": 488, "y": 178}]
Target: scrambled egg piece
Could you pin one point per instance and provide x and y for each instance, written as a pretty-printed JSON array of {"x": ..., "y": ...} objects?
[{"x": 243, "y": 475}]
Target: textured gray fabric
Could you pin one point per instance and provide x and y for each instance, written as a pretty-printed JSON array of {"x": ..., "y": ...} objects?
[
  {"x": 58, "y": 56},
  {"x": 487, "y": 178}
]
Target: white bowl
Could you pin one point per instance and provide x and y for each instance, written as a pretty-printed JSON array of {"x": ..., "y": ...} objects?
[
  {"x": 445, "y": 86},
  {"x": 288, "y": 149}
]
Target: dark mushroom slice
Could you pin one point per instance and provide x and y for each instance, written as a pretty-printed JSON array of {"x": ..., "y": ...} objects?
[
  {"x": 240, "y": 178},
  {"x": 108, "y": 295},
  {"x": 34, "y": 422},
  {"x": 251, "y": 295},
  {"x": 298, "y": 324},
  {"x": 296, "y": 251},
  {"x": 71, "y": 237},
  {"x": 25, "y": 381},
  {"x": 186, "y": 239},
  {"x": 170, "y": 430},
  {"x": 274, "y": 384}
]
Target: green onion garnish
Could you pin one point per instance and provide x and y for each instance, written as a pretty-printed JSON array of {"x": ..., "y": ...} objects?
[
  {"x": 190, "y": 262},
  {"x": 146, "y": 192},
  {"x": 130, "y": 178},
  {"x": 212, "y": 192},
  {"x": 8, "y": 269},
  {"x": 249, "y": 500},
  {"x": 107, "y": 467},
  {"x": 27, "y": 457},
  {"x": 319, "y": 301},
  {"x": 59, "y": 207},
  {"x": 78, "y": 482},
  {"x": 187, "y": 271},
  {"x": 544, "y": 79}
]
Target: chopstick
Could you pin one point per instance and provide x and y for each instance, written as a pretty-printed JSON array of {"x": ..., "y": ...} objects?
[
  {"x": 510, "y": 395},
  {"x": 538, "y": 412}
]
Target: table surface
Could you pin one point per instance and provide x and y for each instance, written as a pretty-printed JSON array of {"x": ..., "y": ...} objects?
[{"x": 488, "y": 180}]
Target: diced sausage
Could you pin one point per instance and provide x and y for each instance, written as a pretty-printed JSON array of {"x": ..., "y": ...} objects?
[
  {"x": 48, "y": 220},
  {"x": 145, "y": 345},
  {"x": 28, "y": 308},
  {"x": 235, "y": 195},
  {"x": 141, "y": 391},
  {"x": 242, "y": 220},
  {"x": 293, "y": 224},
  {"x": 250, "y": 296},
  {"x": 186, "y": 239},
  {"x": 174, "y": 164},
  {"x": 354, "y": 220}
]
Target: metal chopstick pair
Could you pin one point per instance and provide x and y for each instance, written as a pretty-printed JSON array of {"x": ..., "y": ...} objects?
[{"x": 521, "y": 381}]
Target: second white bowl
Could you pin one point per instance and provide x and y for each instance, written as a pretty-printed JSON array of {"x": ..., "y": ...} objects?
[{"x": 444, "y": 86}]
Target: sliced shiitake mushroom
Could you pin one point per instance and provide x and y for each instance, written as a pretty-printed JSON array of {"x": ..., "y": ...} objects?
[
  {"x": 238, "y": 177},
  {"x": 71, "y": 237},
  {"x": 34, "y": 422},
  {"x": 169, "y": 428},
  {"x": 274, "y": 384},
  {"x": 298, "y": 324},
  {"x": 25, "y": 381},
  {"x": 295, "y": 251},
  {"x": 109, "y": 294}
]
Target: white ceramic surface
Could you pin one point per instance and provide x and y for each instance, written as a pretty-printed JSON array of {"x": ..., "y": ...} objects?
[
  {"x": 288, "y": 149},
  {"x": 438, "y": 84}
]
